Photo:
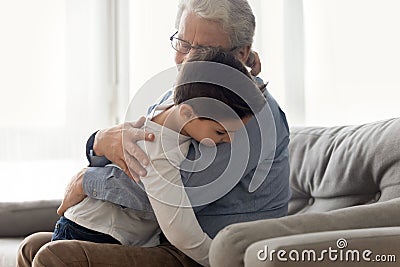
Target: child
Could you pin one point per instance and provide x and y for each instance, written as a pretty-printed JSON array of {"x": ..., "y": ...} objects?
[{"x": 190, "y": 115}]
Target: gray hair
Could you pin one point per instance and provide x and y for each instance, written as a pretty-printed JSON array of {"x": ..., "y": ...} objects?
[{"x": 235, "y": 16}]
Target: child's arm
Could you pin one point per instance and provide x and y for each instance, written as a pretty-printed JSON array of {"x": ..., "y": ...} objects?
[{"x": 174, "y": 212}]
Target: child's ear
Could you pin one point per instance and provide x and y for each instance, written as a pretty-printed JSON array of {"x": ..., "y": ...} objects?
[{"x": 186, "y": 112}]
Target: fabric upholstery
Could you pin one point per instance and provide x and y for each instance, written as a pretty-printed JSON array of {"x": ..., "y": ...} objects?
[
  {"x": 335, "y": 172},
  {"x": 229, "y": 246},
  {"x": 19, "y": 219},
  {"x": 349, "y": 245},
  {"x": 337, "y": 167}
]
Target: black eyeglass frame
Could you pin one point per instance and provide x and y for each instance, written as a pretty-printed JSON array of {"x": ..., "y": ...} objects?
[
  {"x": 262, "y": 87},
  {"x": 188, "y": 44}
]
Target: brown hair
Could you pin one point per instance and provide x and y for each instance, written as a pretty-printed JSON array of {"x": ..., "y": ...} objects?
[{"x": 228, "y": 82}]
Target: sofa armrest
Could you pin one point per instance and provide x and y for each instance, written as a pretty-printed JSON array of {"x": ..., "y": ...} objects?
[
  {"x": 373, "y": 246},
  {"x": 19, "y": 219},
  {"x": 228, "y": 247}
]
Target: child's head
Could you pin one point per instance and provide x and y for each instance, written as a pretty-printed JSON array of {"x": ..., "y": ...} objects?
[{"x": 210, "y": 109}]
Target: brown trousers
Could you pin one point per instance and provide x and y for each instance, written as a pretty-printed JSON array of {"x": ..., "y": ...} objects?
[{"x": 36, "y": 250}]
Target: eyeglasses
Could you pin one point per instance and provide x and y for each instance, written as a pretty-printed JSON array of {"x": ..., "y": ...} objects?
[
  {"x": 180, "y": 45},
  {"x": 183, "y": 46}
]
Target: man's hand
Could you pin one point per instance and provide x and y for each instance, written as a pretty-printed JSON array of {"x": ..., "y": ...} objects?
[
  {"x": 254, "y": 63},
  {"x": 118, "y": 144},
  {"x": 73, "y": 193}
]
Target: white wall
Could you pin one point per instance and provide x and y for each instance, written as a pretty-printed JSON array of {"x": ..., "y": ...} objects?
[
  {"x": 151, "y": 25},
  {"x": 32, "y": 40},
  {"x": 352, "y": 60},
  {"x": 64, "y": 75},
  {"x": 55, "y": 89},
  {"x": 343, "y": 70},
  {"x": 268, "y": 42}
]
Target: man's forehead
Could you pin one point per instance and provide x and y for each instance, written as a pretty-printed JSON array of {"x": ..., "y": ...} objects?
[{"x": 200, "y": 31}]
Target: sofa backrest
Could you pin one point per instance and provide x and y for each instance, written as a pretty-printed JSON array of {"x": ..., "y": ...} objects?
[
  {"x": 337, "y": 167},
  {"x": 19, "y": 219}
]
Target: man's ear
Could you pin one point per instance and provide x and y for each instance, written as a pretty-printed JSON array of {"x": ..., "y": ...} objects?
[
  {"x": 243, "y": 53},
  {"x": 186, "y": 112}
]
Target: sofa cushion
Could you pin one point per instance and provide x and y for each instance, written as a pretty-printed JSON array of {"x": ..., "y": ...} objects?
[
  {"x": 230, "y": 244},
  {"x": 351, "y": 244},
  {"x": 19, "y": 219},
  {"x": 336, "y": 167}
]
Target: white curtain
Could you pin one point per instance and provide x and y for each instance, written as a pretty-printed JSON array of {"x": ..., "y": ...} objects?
[
  {"x": 70, "y": 67},
  {"x": 151, "y": 54},
  {"x": 279, "y": 42},
  {"x": 352, "y": 60},
  {"x": 331, "y": 62},
  {"x": 56, "y": 89}
]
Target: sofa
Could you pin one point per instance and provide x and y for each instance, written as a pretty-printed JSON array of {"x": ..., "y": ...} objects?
[
  {"x": 20, "y": 219},
  {"x": 345, "y": 184}
]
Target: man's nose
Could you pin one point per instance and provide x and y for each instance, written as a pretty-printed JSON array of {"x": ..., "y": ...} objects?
[{"x": 179, "y": 57}]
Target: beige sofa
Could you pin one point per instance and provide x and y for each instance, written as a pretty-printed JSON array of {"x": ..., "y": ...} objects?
[{"x": 345, "y": 185}]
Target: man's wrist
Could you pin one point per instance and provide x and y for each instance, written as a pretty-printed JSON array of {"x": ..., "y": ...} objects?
[
  {"x": 89, "y": 146},
  {"x": 94, "y": 160}
]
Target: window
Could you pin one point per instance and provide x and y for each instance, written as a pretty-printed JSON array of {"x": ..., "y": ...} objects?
[
  {"x": 331, "y": 62},
  {"x": 151, "y": 55},
  {"x": 57, "y": 88},
  {"x": 351, "y": 61},
  {"x": 70, "y": 67}
]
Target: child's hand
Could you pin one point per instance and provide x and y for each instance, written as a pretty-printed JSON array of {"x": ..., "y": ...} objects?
[{"x": 254, "y": 63}]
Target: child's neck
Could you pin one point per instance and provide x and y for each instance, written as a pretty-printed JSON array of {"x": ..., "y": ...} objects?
[{"x": 169, "y": 118}]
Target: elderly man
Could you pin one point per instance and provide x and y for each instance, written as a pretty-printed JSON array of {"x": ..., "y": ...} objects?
[{"x": 229, "y": 24}]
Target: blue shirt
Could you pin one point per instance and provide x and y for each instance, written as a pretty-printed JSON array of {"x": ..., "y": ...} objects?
[{"x": 237, "y": 203}]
